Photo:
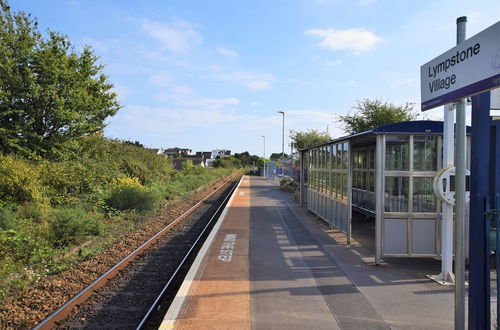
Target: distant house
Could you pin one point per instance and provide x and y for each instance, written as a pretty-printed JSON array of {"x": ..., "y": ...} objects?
[
  {"x": 177, "y": 162},
  {"x": 220, "y": 153},
  {"x": 210, "y": 156},
  {"x": 175, "y": 152},
  {"x": 204, "y": 154}
]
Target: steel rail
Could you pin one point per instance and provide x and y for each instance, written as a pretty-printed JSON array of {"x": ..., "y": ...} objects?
[
  {"x": 63, "y": 311},
  {"x": 188, "y": 254}
]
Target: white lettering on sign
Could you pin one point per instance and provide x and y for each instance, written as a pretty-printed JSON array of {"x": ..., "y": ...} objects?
[{"x": 227, "y": 248}]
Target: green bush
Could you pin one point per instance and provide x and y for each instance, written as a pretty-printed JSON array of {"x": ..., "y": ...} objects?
[
  {"x": 227, "y": 162},
  {"x": 129, "y": 194},
  {"x": 72, "y": 225},
  {"x": 65, "y": 181},
  {"x": 19, "y": 181},
  {"x": 8, "y": 219},
  {"x": 32, "y": 213},
  {"x": 19, "y": 245}
]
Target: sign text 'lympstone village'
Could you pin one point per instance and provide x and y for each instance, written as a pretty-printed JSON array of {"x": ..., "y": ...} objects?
[
  {"x": 448, "y": 81},
  {"x": 470, "y": 67}
]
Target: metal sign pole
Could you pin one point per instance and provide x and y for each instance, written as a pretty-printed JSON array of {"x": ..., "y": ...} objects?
[{"x": 460, "y": 199}]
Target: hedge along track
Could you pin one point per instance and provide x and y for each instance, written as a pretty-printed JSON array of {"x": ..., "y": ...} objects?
[{"x": 67, "y": 309}]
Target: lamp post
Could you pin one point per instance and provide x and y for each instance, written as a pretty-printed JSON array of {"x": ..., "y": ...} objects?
[
  {"x": 283, "y": 138},
  {"x": 264, "y": 155}
]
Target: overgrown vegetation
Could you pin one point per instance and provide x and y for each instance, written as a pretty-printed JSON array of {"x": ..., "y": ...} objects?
[
  {"x": 239, "y": 160},
  {"x": 308, "y": 138},
  {"x": 54, "y": 213},
  {"x": 373, "y": 113},
  {"x": 66, "y": 191}
]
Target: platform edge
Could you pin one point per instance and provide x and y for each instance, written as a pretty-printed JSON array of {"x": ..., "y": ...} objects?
[{"x": 174, "y": 309}]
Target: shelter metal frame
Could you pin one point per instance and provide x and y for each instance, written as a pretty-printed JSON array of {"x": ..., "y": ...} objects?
[{"x": 398, "y": 162}]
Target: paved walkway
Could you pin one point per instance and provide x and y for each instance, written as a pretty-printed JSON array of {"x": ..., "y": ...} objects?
[{"x": 271, "y": 265}]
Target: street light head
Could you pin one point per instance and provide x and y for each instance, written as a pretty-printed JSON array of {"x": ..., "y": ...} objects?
[{"x": 281, "y": 112}]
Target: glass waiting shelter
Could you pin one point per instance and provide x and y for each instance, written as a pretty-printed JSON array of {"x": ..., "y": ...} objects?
[{"x": 386, "y": 174}]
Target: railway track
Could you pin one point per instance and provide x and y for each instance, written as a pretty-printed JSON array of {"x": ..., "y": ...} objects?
[{"x": 136, "y": 291}]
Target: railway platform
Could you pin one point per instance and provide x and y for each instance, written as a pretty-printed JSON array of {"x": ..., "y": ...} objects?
[{"x": 271, "y": 265}]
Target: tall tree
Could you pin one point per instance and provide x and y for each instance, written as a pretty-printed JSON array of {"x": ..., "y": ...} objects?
[
  {"x": 49, "y": 93},
  {"x": 373, "y": 113},
  {"x": 308, "y": 138}
]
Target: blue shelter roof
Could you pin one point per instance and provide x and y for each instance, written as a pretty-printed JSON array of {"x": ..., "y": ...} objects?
[{"x": 429, "y": 127}]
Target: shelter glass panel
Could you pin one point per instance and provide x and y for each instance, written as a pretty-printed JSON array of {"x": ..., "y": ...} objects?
[
  {"x": 425, "y": 153},
  {"x": 339, "y": 156},
  {"x": 396, "y": 194},
  {"x": 321, "y": 181},
  {"x": 328, "y": 183},
  {"x": 344, "y": 186},
  {"x": 339, "y": 185},
  {"x": 362, "y": 159},
  {"x": 397, "y": 153},
  {"x": 324, "y": 182},
  {"x": 334, "y": 187},
  {"x": 332, "y": 159},
  {"x": 424, "y": 199},
  {"x": 323, "y": 157},
  {"x": 327, "y": 157},
  {"x": 345, "y": 160},
  {"x": 371, "y": 181}
]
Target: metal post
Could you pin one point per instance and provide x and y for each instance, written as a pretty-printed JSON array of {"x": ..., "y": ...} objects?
[
  {"x": 379, "y": 196},
  {"x": 264, "y": 155},
  {"x": 460, "y": 199},
  {"x": 283, "y": 136},
  {"x": 291, "y": 160}
]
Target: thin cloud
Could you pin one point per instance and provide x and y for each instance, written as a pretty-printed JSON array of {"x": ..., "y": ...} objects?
[
  {"x": 251, "y": 80},
  {"x": 161, "y": 78},
  {"x": 310, "y": 115},
  {"x": 100, "y": 47},
  {"x": 367, "y": 2},
  {"x": 153, "y": 120},
  {"x": 404, "y": 82},
  {"x": 228, "y": 53},
  {"x": 358, "y": 40},
  {"x": 183, "y": 96},
  {"x": 178, "y": 36}
]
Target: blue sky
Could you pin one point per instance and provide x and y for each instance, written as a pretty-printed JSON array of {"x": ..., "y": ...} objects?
[{"x": 213, "y": 74}]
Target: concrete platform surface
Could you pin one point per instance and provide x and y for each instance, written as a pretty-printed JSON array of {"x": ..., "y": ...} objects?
[{"x": 272, "y": 265}]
